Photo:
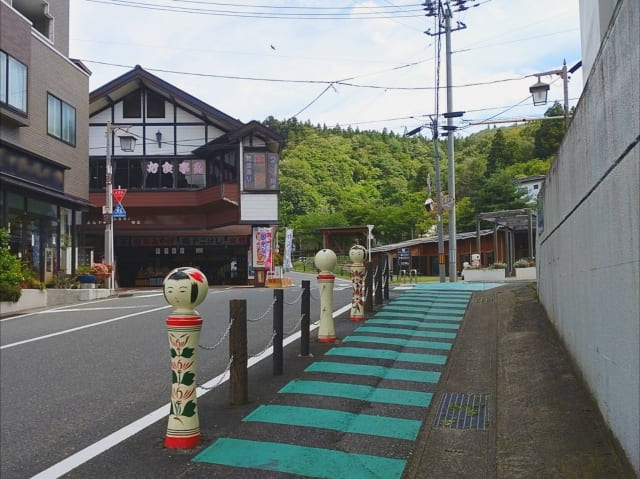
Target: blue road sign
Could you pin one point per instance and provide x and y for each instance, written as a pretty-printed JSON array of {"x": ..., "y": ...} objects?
[{"x": 119, "y": 211}]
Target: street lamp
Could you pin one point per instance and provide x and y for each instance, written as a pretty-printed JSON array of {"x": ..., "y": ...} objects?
[
  {"x": 540, "y": 89},
  {"x": 128, "y": 144}
]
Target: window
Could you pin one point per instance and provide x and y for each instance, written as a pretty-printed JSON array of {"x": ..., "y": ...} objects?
[
  {"x": 131, "y": 105},
  {"x": 61, "y": 120},
  {"x": 155, "y": 105},
  {"x": 13, "y": 82}
]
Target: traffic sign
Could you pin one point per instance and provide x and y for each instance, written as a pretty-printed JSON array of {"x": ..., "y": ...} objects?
[
  {"x": 448, "y": 202},
  {"x": 119, "y": 211},
  {"x": 118, "y": 194}
]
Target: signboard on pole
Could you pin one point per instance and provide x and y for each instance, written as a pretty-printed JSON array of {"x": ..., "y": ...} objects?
[
  {"x": 119, "y": 211},
  {"x": 404, "y": 258},
  {"x": 118, "y": 194}
]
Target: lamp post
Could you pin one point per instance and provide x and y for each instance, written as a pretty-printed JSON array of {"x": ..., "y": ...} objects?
[
  {"x": 127, "y": 143},
  {"x": 540, "y": 89}
]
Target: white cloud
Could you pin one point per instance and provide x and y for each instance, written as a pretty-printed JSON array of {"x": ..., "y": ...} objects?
[{"x": 502, "y": 39}]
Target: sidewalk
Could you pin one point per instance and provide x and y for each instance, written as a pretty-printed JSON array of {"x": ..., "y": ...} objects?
[
  {"x": 496, "y": 398},
  {"x": 543, "y": 422}
]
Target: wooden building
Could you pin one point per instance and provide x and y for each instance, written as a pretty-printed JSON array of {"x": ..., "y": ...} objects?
[{"x": 198, "y": 182}]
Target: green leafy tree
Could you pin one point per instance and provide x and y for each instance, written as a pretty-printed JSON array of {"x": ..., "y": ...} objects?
[
  {"x": 498, "y": 193},
  {"x": 497, "y": 157},
  {"x": 550, "y": 134}
]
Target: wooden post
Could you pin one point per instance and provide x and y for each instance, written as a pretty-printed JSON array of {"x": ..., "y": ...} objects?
[
  {"x": 305, "y": 311},
  {"x": 278, "y": 319},
  {"x": 238, "y": 375}
]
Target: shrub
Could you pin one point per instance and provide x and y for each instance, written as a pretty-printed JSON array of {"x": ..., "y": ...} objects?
[{"x": 11, "y": 274}]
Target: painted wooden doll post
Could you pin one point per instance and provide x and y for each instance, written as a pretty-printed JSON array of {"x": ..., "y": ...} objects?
[
  {"x": 325, "y": 261},
  {"x": 357, "y": 253},
  {"x": 184, "y": 288}
]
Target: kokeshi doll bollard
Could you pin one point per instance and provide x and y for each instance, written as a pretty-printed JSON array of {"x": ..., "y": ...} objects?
[
  {"x": 184, "y": 288},
  {"x": 357, "y": 254},
  {"x": 326, "y": 261}
]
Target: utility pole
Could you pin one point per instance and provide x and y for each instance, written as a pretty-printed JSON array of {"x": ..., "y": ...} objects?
[
  {"x": 436, "y": 156},
  {"x": 442, "y": 9},
  {"x": 453, "y": 262}
]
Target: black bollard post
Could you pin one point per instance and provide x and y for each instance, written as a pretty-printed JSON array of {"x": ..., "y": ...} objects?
[
  {"x": 386, "y": 277},
  {"x": 305, "y": 311},
  {"x": 368, "y": 286},
  {"x": 238, "y": 375},
  {"x": 278, "y": 313},
  {"x": 378, "y": 281}
]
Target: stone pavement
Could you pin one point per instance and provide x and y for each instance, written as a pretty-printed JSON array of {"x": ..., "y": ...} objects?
[{"x": 543, "y": 422}]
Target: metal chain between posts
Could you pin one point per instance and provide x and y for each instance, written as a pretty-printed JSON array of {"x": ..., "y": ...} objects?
[
  {"x": 312, "y": 296},
  {"x": 295, "y": 300},
  {"x": 269, "y": 344},
  {"x": 226, "y": 333},
  {"x": 227, "y": 369},
  {"x": 263, "y": 315},
  {"x": 295, "y": 326}
]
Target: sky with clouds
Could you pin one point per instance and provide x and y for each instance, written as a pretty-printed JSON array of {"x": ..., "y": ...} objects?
[{"x": 363, "y": 64}]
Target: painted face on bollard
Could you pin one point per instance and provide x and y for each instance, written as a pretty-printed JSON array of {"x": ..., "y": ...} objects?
[{"x": 185, "y": 288}]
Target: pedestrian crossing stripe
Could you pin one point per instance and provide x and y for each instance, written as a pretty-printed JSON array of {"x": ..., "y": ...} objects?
[
  {"x": 415, "y": 324},
  {"x": 406, "y": 332},
  {"x": 398, "y": 374},
  {"x": 408, "y": 343},
  {"x": 388, "y": 354},
  {"x": 342, "y": 421},
  {"x": 301, "y": 460},
  {"x": 359, "y": 392}
]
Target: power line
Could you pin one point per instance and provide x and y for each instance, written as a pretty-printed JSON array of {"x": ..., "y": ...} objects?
[
  {"x": 344, "y": 82},
  {"x": 262, "y": 15}
]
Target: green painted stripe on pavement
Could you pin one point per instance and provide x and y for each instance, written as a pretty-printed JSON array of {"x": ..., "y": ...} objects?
[
  {"x": 409, "y": 343},
  {"x": 406, "y": 332},
  {"x": 387, "y": 354},
  {"x": 442, "y": 317},
  {"x": 400, "y": 374},
  {"x": 359, "y": 392},
  {"x": 300, "y": 460},
  {"x": 409, "y": 322},
  {"x": 447, "y": 312},
  {"x": 420, "y": 317},
  {"x": 395, "y": 307},
  {"x": 396, "y": 314},
  {"x": 336, "y": 420}
]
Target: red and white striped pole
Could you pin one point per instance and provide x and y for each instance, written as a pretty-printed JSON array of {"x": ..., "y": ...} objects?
[{"x": 184, "y": 288}]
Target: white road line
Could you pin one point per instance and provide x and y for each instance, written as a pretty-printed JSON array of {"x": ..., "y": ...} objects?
[
  {"x": 75, "y": 310},
  {"x": 97, "y": 448},
  {"x": 86, "y": 326}
]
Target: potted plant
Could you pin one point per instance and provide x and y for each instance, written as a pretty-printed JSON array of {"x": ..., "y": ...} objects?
[
  {"x": 525, "y": 268},
  {"x": 85, "y": 276},
  {"x": 495, "y": 272}
]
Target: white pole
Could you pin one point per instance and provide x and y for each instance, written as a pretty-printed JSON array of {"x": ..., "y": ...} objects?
[{"x": 108, "y": 249}]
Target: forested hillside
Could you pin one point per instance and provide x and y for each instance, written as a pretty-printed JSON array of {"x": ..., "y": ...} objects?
[{"x": 340, "y": 177}]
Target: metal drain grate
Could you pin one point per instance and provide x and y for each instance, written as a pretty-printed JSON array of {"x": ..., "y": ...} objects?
[{"x": 463, "y": 411}]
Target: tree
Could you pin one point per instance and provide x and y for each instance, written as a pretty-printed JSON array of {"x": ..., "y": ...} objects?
[
  {"x": 497, "y": 157},
  {"x": 550, "y": 134},
  {"x": 498, "y": 193}
]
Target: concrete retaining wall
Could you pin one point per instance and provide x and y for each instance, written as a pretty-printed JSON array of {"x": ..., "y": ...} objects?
[
  {"x": 34, "y": 299},
  {"x": 588, "y": 252}
]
